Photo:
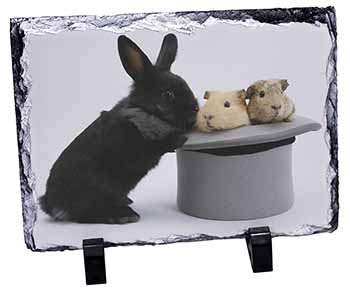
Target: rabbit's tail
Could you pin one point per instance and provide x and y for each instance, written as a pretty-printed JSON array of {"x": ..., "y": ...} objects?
[
  {"x": 57, "y": 214},
  {"x": 44, "y": 205}
]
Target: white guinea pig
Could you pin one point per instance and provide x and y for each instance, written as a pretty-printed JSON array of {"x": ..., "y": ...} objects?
[
  {"x": 268, "y": 103},
  {"x": 223, "y": 110}
]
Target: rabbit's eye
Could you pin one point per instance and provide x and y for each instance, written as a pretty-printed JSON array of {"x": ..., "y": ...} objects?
[
  {"x": 262, "y": 93},
  {"x": 227, "y": 104},
  {"x": 168, "y": 94}
]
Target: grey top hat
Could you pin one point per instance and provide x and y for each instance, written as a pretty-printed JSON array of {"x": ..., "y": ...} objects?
[{"x": 239, "y": 174}]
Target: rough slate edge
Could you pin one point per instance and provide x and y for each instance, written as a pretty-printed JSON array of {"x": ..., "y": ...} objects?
[{"x": 311, "y": 15}]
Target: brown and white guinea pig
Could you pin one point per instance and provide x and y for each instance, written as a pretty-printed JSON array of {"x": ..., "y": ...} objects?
[
  {"x": 222, "y": 110},
  {"x": 268, "y": 102}
]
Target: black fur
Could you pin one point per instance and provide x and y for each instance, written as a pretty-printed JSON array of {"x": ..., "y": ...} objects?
[{"x": 91, "y": 179}]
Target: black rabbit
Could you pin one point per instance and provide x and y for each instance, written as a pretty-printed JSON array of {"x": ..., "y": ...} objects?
[{"x": 91, "y": 179}]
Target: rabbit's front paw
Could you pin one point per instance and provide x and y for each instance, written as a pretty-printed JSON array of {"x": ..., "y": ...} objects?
[
  {"x": 176, "y": 142},
  {"x": 181, "y": 141}
]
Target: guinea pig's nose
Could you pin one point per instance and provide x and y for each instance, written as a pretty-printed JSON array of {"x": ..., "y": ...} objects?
[
  {"x": 276, "y": 107},
  {"x": 208, "y": 117}
]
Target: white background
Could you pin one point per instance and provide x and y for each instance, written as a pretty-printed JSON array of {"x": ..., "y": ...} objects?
[{"x": 315, "y": 261}]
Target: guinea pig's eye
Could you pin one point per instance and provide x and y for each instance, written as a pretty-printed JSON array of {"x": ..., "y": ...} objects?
[
  {"x": 227, "y": 104},
  {"x": 262, "y": 93},
  {"x": 168, "y": 94}
]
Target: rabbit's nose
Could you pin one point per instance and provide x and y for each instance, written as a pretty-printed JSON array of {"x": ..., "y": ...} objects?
[
  {"x": 208, "y": 117},
  {"x": 276, "y": 107}
]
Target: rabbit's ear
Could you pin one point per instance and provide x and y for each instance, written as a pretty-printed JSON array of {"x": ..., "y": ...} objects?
[
  {"x": 167, "y": 53},
  {"x": 134, "y": 61},
  {"x": 284, "y": 84}
]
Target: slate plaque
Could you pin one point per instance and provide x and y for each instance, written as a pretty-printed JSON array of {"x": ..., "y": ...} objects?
[{"x": 89, "y": 159}]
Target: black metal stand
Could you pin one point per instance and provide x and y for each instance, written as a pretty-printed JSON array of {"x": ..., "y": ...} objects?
[
  {"x": 259, "y": 243},
  {"x": 94, "y": 260}
]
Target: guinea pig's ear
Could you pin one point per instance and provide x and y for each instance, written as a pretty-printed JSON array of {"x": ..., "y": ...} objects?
[
  {"x": 250, "y": 92},
  {"x": 167, "y": 53},
  {"x": 242, "y": 94},
  {"x": 284, "y": 84},
  {"x": 206, "y": 95},
  {"x": 134, "y": 61}
]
